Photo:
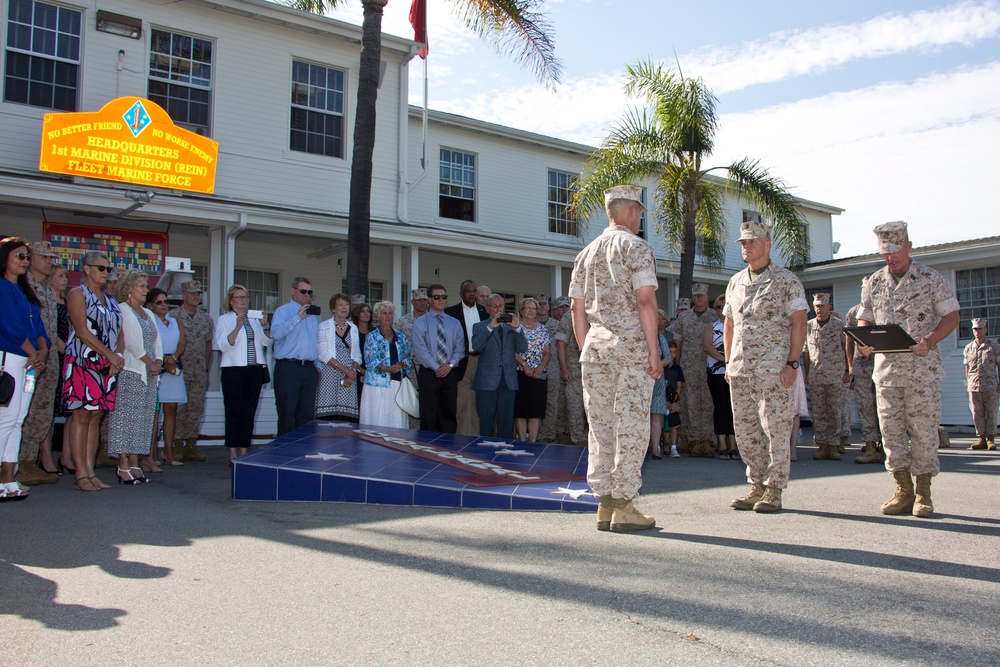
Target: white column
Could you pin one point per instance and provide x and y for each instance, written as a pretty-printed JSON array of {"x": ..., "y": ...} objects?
[
  {"x": 557, "y": 286},
  {"x": 396, "y": 280},
  {"x": 414, "y": 266}
]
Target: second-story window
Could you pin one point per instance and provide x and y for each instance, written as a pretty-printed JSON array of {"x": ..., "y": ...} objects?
[
  {"x": 562, "y": 220},
  {"x": 43, "y": 55},
  {"x": 457, "y": 188},
  {"x": 180, "y": 78},
  {"x": 317, "y": 109}
]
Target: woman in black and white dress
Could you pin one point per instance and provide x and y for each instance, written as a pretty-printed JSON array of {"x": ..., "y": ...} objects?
[{"x": 339, "y": 350}]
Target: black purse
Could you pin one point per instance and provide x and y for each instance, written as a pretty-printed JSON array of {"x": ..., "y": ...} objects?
[
  {"x": 7, "y": 384},
  {"x": 267, "y": 373}
]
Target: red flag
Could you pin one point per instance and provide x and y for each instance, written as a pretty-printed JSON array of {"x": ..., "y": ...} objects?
[{"x": 418, "y": 19}]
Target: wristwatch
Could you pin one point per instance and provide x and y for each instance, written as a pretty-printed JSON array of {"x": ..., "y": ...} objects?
[{"x": 793, "y": 364}]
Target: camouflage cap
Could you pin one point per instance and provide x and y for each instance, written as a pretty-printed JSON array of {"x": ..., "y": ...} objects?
[
  {"x": 699, "y": 288},
  {"x": 357, "y": 299},
  {"x": 821, "y": 299},
  {"x": 192, "y": 286},
  {"x": 629, "y": 192},
  {"x": 420, "y": 293},
  {"x": 891, "y": 237},
  {"x": 560, "y": 301},
  {"x": 683, "y": 304},
  {"x": 42, "y": 248},
  {"x": 752, "y": 229},
  {"x": 542, "y": 297},
  {"x": 979, "y": 323}
]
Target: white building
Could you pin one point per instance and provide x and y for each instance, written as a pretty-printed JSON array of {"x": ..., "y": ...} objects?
[{"x": 276, "y": 88}]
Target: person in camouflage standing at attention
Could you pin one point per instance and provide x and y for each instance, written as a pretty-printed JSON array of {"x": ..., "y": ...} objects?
[
  {"x": 863, "y": 388},
  {"x": 571, "y": 374},
  {"x": 764, "y": 332},
  {"x": 908, "y": 385},
  {"x": 696, "y": 407},
  {"x": 826, "y": 372},
  {"x": 613, "y": 289},
  {"x": 981, "y": 358},
  {"x": 198, "y": 330}
]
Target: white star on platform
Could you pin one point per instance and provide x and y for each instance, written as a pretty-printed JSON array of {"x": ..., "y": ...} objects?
[
  {"x": 515, "y": 452},
  {"x": 575, "y": 494},
  {"x": 495, "y": 444},
  {"x": 327, "y": 457}
]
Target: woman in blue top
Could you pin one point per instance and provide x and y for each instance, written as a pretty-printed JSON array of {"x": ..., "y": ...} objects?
[
  {"x": 388, "y": 357},
  {"x": 23, "y": 348}
]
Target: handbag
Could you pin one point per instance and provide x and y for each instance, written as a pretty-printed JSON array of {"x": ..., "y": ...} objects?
[
  {"x": 7, "y": 384},
  {"x": 267, "y": 373},
  {"x": 407, "y": 397}
]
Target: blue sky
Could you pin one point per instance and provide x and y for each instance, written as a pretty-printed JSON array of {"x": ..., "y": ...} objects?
[{"x": 889, "y": 109}]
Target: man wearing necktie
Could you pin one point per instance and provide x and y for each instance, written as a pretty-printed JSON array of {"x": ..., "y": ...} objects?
[{"x": 438, "y": 347}]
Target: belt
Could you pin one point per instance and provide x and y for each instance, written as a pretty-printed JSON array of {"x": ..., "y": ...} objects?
[
  {"x": 472, "y": 354},
  {"x": 300, "y": 362}
]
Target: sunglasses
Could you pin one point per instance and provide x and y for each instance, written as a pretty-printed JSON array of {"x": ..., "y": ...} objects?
[
  {"x": 100, "y": 267},
  {"x": 306, "y": 291},
  {"x": 160, "y": 302},
  {"x": 22, "y": 255},
  {"x": 439, "y": 297}
]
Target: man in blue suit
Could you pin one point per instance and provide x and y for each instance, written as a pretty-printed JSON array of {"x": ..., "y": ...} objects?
[{"x": 495, "y": 383}]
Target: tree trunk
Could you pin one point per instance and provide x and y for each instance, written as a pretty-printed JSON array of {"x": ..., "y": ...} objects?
[
  {"x": 359, "y": 215},
  {"x": 689, "y": 242}
]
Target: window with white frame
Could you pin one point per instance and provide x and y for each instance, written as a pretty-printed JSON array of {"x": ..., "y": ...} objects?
[
  {"x": 978, "y": 292},
  {"x": 43, "y": 55},
  {"x": 317, "y": 122},
  {"x": 562, "y": 219},
  {"x": 262, "y": 287},
  {"x": 457, "y": 186},
  {"x": 180, "y": 78},
  {"x": 375, "y": 291},
  {"x": 751, "y": 216}
]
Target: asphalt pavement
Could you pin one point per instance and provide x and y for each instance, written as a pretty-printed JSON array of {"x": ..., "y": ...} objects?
[{"x": 175, "y": 572}]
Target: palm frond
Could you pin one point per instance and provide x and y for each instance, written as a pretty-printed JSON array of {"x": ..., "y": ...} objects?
[
  {"x": 313, "y": 6},
  {"x": 516, "y": 28},
  {"x": 710, "y": 222}
]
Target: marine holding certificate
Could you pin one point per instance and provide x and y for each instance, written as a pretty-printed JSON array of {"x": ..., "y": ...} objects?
[{"x": 908, "y": 386}]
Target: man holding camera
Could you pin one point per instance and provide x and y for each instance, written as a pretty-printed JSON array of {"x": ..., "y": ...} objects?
[
  {"x": 497, "y": 340},
  {"x": 295, "y": 331}
]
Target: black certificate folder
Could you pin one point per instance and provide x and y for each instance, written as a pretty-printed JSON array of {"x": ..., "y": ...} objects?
[{"x": 886, "y": 338}]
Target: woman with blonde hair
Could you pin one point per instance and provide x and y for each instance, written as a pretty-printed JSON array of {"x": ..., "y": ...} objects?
[{"x": 532, "y": 381}]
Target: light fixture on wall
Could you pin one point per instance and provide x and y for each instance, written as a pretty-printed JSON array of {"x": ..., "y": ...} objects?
[
  {"x": 119, "y": 24},
  {"x": 140, "y": 198}
]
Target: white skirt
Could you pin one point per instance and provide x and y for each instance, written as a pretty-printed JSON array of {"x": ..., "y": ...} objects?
[{"x": 378, "y": 407}]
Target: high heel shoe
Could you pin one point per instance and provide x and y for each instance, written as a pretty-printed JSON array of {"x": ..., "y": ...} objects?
[
  {"x": 64, "y": 470},
  {"x": 131, "y": 480},
  {"x": 57, "y": 471},
  {"x": 141, "y": 479}
]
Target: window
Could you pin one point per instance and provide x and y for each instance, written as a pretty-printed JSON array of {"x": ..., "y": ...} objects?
[
  {"x": 751, "y": 216},
  {"x": 375, "y": 291},
  {"x": 978, "y": 292},
  {"x": 180, "y": 78},
  {"x": 43, "y": 55},
  {"x": 317, "y": 110},
  {"x": 262, "y": 288},
  {"x": 457, "y": 188},
  {"x": 561, "y": 188}
]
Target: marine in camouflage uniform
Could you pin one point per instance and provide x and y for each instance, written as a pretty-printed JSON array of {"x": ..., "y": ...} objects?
[
  {"x": 764, "y": 334},
  {"x": 198, "y": 331},
  {"x": 572, "y": 377},
  {"x": 38, "y": 422},
  {"x": 613, "y": 289},
  {"x": 908, "y": 385},
  {"x": 863, "y": 389},
  {"x": 826, "y": 372},
  {"x": 697, "y": 429},
  {"x": 982, "y": 357},
  {"x": 554, "y": 424}
]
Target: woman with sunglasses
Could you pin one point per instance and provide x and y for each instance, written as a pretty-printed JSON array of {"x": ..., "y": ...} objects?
[
  {"x": 23, "y": 349},
  {"x": 171, "y": 392},
  {"x": 92, "y": 364},
  {"x": 715, "y": 359}
]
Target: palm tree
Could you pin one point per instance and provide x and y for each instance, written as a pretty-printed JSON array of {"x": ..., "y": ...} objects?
[
  {"x": 672, "y": 139},
  {"x": 512, "y": 26}
]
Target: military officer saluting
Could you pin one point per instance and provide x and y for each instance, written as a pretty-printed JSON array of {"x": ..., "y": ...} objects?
[{"x": 982, "y": 357}]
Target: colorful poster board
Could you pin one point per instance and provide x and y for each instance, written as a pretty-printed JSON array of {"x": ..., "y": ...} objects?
[
  {"x": 125, "y": 248},
  {"x": 131, "y": 140}
]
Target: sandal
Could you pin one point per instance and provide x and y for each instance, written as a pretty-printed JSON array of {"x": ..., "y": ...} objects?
[
  {"x": 141, "y": 479},
  {"x": 13, "y": 491},
  {"x": 735, "y": 455},
  {"x": 723, "y": 455},
  {"x": 90, "y": 485}
]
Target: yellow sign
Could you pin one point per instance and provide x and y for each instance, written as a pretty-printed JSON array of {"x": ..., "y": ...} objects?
[{"x": 131, "y": 140}]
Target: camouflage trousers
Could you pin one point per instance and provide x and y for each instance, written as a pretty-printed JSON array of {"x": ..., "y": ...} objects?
[
  {"x": 915, "y": 411},
  {"x": 827, "y": 408},
  {"x": 846, "y": 414},
  {"x": 984, "y": 412},
  {"x": 576, "y": 414},
  {"x": 41, "y": 414},
  {"x": 762, "y": 414},
  {"x": 555, "y": 409},
  {"x": 616, "y": 398},
  {"x": 864, "y": 397},
  {"x": 696, "y": 406},
  {"x": 189, "y": 414}
]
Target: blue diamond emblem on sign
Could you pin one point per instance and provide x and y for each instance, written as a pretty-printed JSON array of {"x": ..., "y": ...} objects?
[{"x": 136, "y": 118}]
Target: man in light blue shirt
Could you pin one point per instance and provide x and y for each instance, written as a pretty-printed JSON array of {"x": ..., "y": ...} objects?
[
  {"x": 296, "y": 377},
  {"x": 438, "y": 346}
]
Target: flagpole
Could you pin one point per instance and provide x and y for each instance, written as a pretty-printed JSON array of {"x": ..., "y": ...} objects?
[{"x": 423, "y": 157}]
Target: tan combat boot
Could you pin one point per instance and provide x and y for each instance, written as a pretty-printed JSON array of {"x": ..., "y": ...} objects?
[
  {"x": 708, "y": 449},
  {"x": 683, "y": 446},
  {"x": 770, "y": 501},
  {"x": 626, "y": 518},
  {"x": 191, "y": 452},
  {"x": 868, "y": 454},
  {"x": 845, "y": 442},
  {"x": 29, "y": 474},
  {"x": 922, "y": 505},
  {"x": 902, "y": 501},
  {"x": 823, "y": 453},
  {"x": 834, "y": 452},
  {"x": 605, "y": 508},
  {"x": 980, "y": 444},
  {"x": 880, "y": 450},
  {"x": 749, "y": 500},
  {"x": 990, "y": 444}
]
